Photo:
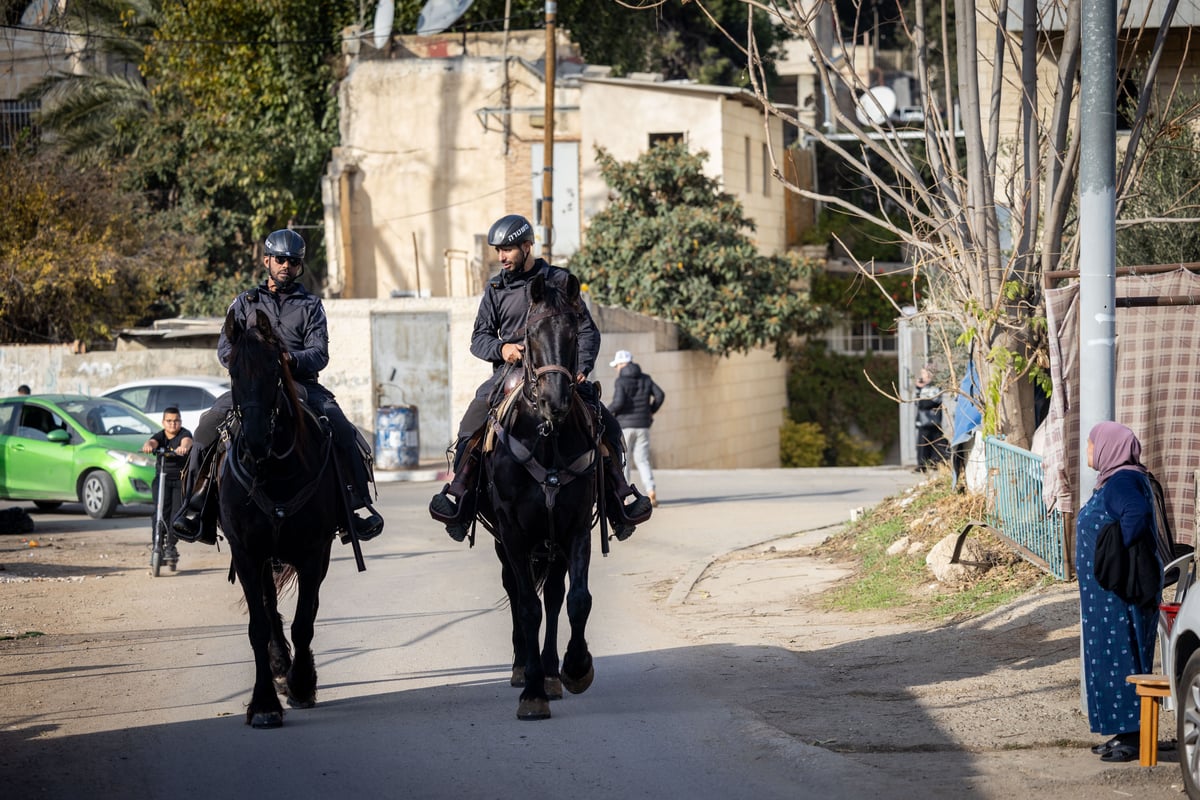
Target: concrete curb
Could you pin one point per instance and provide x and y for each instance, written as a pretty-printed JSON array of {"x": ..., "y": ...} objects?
[{"x": 795, "y": 541}]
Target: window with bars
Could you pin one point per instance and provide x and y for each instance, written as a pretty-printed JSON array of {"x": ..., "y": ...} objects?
[
  {"x": 16, "y": 121},
  {"x": 859, "y": 338}
]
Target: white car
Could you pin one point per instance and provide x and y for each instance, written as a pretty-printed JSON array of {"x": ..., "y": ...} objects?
[
  {"x": 1181, "y": 662},
  {"x": 192, "y": 395}
]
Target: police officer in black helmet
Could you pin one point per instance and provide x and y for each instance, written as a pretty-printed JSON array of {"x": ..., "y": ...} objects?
[
  {"x": 298, "y": 317},
  {"x": 497, "y": 338}
]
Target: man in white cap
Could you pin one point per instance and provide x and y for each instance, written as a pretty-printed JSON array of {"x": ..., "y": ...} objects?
[{"x": 636, "y": 399}]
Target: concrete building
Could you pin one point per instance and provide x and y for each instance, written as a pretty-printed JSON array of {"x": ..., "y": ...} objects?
[{"x": 441, "y": 135}]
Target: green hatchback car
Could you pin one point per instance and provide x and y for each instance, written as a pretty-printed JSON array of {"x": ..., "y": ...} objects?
[{"x": 62, "y": 448}]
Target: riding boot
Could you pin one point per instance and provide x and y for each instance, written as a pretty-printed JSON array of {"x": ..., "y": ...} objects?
[
  {"x": 352, "y": 465},
  {"x": 196, "y": 519},
  {"x": 455, "y": 504},
  {"x": 365, "y": 528},
  {"x": 624, "y": 518}
]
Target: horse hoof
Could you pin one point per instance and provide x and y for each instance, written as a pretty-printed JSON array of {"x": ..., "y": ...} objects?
[
  {"x": 554, "y": 688},
  {"x": 518, "y": 677},
  {"x": 294, "y": 703},
  {"x": 267, "y": 719},
  {"x": 534, "y": 708},
  {"x": 579, "y": 685}
]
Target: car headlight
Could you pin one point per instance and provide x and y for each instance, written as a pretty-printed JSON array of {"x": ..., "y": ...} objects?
[{"x": 137, "y": 459}]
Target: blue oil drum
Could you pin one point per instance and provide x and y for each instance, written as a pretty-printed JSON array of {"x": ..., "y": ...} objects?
[{"x": 397, "y": 441}]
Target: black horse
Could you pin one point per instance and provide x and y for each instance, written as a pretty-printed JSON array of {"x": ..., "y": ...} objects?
[
  {"x": 541, "y": 478},
  {"x": 279, "y": 509}
]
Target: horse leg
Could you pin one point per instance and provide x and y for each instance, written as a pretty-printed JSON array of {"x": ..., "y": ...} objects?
[
  {"x": 533, "y": 703},
  {"x": 302, "y": 679},
  {"x": 509, "y": 580},
  {"x": 577, "y": 670},
  {"x": 553, "y": 591},
  {"x": 264, "y": 710},
  {"x": 278, "y": 650}
]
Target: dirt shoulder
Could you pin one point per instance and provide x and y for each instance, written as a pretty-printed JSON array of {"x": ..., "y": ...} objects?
[{"x": 913, "y": 697}]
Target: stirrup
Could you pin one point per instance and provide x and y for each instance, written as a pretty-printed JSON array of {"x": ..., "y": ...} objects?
[
  {"x": 636, "y": 512},
  {"x": 441, "y": 509}
]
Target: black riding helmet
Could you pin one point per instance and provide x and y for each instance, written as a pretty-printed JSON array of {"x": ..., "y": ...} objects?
[
  {"x": 285, "y": 243},
  {"x": 510, "y": 230}
]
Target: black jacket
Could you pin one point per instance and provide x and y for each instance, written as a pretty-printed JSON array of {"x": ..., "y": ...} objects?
[
  {"x": 299, "y": 320},
  {"x": 502, "y": 314},
  {"x": 636, "y": 398}
]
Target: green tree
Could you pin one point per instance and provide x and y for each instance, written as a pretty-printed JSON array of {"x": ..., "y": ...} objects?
[
  {"x": 222, "y": 116},
  {"x": 672, "y": 245},
  {"x": 79, "y": 258},
  {"x": 1159, "y": 225}
]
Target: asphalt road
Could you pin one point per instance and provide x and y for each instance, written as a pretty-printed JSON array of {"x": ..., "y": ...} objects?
[{"x": 413, "y": 657}]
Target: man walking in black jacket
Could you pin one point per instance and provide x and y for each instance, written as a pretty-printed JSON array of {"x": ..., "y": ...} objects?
[{"x": 636, "y": 399}]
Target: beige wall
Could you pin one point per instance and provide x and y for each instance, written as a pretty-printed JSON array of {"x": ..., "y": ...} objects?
[
  {"x": 427, "y": 171},
  {"x": 719, "y": 413},
  {"x": 713, "y": 119}
]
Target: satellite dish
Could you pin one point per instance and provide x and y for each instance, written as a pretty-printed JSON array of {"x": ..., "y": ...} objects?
[
  {"x": 875, "y": 106},
  {"x": 385, "y": 14},
  {"x": 437, "y": 15}
]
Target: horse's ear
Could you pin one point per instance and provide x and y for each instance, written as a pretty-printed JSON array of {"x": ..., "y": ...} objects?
[
  {"x": 572, "y": 289},
  {"x": 262, "y": 323},
  {"x": 537, "y": 289},
  {"x": 232, "y": 329}
]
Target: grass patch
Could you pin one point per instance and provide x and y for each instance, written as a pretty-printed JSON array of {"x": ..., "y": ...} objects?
[
  {"x": 26, "y": 635},
  {"x": 900, "y": 582}
]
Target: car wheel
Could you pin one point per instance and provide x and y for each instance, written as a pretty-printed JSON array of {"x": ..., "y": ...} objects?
[
  {"x": 1188, "y": 725},
  {"x": 47, "y": 505},
  {"x": 99, "y": 495}
]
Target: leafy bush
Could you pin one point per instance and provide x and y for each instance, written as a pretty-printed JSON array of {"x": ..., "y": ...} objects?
[
  {"x": 79, "y": 258},
  {"x": 801, "y": 444},
  {"x": 832, "y": 391}
]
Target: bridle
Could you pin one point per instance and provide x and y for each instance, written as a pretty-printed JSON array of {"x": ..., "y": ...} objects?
[{"x": 534, "y": 374}]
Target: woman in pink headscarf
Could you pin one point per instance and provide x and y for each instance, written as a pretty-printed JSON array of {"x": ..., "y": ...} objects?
[{"x": 1118, "y": 635}]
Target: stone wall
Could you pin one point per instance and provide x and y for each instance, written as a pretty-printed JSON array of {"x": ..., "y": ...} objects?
[{"x": 720, "y": 413}]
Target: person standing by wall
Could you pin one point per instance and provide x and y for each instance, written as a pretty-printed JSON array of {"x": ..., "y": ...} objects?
[
  {"x": 1118, "y": 632},
  {"x": 177, "y": 440},
  {"x": 636, "y": 399},
  {"x": 931, "y": 442}
]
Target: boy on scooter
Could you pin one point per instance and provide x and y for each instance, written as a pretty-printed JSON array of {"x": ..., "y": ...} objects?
[{"x": 176, "y": 440}]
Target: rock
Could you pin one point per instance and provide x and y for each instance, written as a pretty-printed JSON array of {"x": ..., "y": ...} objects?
[
  {"x": 960, "y": 574},
  {"x": 899, "y": 546}
]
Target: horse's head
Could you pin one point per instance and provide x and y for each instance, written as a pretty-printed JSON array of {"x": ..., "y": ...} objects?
[
  {"x": 259, "y": 380},
  {"x": 552, "y": 346}
]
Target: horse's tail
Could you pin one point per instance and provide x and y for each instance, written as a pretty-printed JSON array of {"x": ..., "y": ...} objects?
[
  {"x": 541, "y": 571},
  {"x": 540, "y": 566},
  {"x": 285, "y": 577}
]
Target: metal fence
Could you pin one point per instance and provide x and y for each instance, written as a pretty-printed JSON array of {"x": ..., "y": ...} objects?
[
  {"x": 1017, "y": 512},
  {"x": 16, "y": 120}
]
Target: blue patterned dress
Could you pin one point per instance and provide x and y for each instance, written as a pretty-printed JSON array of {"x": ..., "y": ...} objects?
[{"x": 1118, "y": 639}]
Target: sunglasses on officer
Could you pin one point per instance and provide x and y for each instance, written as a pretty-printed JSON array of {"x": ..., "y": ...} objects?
[{"x": 291, "y": 261}]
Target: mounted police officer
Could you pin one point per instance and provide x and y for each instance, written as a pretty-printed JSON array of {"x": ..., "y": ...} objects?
[
  {"x": 498, "y": 338},
  {"x": 300, "y": 322}
]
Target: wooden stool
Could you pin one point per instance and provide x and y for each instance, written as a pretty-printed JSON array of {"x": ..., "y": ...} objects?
[{"x": 1152, "y": 689}]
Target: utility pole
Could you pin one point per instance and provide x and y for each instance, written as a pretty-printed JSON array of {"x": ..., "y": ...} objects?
[
  {"x": 1097, "y": 226},
  {"x": 547, "y": 206}
]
